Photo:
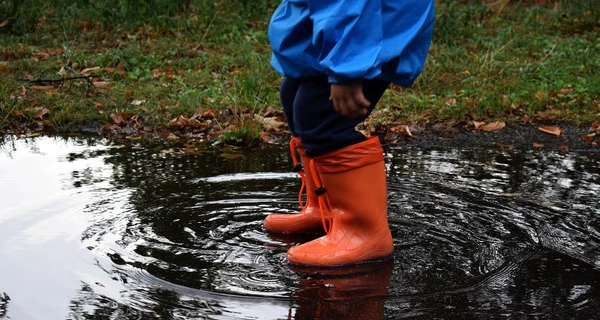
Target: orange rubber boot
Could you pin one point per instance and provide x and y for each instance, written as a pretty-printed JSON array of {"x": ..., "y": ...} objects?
[
  {"x": 352, "y": 194},
  {"x": 308, "y": 220}
]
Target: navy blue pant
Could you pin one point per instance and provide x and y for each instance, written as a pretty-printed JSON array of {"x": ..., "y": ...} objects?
[{"x": 312, "y": 118}]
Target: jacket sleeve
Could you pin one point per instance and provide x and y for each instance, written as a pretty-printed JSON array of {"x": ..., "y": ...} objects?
[{"x": 349, "y": 37}]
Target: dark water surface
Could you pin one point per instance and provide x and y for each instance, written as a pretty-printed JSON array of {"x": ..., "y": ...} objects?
[{"x": 96, "y": 229}]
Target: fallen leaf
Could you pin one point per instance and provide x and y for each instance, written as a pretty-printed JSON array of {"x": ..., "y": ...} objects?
[
  {"x": 44, "y": 88},
  {"x": 564, "y": 91},
  {"x": 209, "y": 114},
  {"x": 120, "y": 66},
  {"x": 179, "y": 122},
  {"x": 551, "y": 130},
  {"x": 538, "y": 145},
  {"x": 270, "y": 123},
  {"x": 17, "y": 113},
  {"x": 4, "y": 23},
  {"x": 137, "y": 102},
  {"x": 595, "y": 128},
  {"x": 117, "y": 118},
  {"x": 3, "y": 67},
  {"x": 493, "y": 126},
  {"x": 42, "y": 56},
  {"x": 265, "y": 137},
  {"x": 102, "y": 84},
  {"x": 270, "y": 112},
  {"x": 403, "y": 130},
  {"x": 98, "y": 104},
  {"x": 589, "y": 137},
  {"x": 451, "y": 102},
  {"x": 235, "y": 72},
  {"x": 40, "y": 112},
  {"x": 62, "y": 71},
  {"x": 478, "y": 124},
  {"x": 90, "y": 70}
]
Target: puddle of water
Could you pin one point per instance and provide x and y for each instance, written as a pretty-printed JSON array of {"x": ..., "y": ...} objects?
[{"x": 103, "y": 229}]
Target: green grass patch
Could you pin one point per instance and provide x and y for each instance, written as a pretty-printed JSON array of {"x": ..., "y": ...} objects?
[{"x": 156, "y": 62}]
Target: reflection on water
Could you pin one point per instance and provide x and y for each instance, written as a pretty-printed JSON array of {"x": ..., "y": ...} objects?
[{"x": 117, "y": 229}]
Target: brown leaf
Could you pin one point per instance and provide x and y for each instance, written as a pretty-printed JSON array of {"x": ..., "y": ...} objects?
[
  {"x": 403, "y": 130},
  {"x": 270, "y": 123},
  {"x": 3, "y": 67},
  {"x": 40, "y": 112},
  {"x": 493, "y": 126},
  {"x": 63, "y": 71},
  {"x": 90, "y": 70},
  {"x": 235, "y": 72},
  {"x": 120, "y": 66},
  {"x": 209, "y": 114},
  {"x": 564, "y": 91},
  {"x": 44, "y": 88},
  {"x": 589, "y": 138},
  {"x": 451, "y": 102},
  {"x": 538, "y": 145},
  {"x": 117, "y": 118},
  {"x": 4, "y": 23},
  {"x": 102, "y": 84},
  {"x": 595, "y": 127},
  {"x": 478, "y": 124},
  {"x": 42, "y": 56},
  {"x": 98, "y": 104},
  {"x": 179, "y": 122},
  {"x": 265, "y": 137},
  {"x": 551, "y": 130},
  {"x": 270, "y": 112},
  {"x": 17, "y": 113}
]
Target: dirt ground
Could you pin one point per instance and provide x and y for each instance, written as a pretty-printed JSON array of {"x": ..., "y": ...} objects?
[{"x": 521, "y": 137}]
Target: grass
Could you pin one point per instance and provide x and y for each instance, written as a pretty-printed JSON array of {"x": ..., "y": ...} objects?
[{"x": 186, "y": 59}]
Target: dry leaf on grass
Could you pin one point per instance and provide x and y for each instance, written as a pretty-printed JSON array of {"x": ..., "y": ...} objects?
[
  {"x": 98, "y": 104},
  {"x": 62, "y": 72},
  {"x": 552, "y": 130},
  {"x": 270, "y": 123},
  {"x": 90, "y": 70},
  {"x": 43, "y": 88},
  {"x": 102, "y": 84},
  {"x": 4, "y": 23}
]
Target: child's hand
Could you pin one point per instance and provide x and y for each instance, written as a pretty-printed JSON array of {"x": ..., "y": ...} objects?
[{"x": 349, "y": 100}]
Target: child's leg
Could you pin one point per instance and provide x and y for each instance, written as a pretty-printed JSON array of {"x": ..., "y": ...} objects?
[
  {"x": 348, "y": 173},
  {"x": 287, "y": 95},
  {"x": 308, "y": 220},
  {"x": 319, "y": 126}
]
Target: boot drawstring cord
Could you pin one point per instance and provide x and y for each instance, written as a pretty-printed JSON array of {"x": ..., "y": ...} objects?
[
  {"x": 298, "y": 169},
  {"x": 324, "y": 208}
]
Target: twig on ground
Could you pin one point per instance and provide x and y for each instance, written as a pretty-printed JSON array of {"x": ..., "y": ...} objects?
[{"x": 63, "y": 80}]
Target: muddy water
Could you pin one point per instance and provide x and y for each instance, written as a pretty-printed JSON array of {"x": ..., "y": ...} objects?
[{"x": 121, "y": 230}]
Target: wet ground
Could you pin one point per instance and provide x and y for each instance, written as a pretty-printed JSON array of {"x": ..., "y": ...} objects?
[{"x": 99, "y": 229}]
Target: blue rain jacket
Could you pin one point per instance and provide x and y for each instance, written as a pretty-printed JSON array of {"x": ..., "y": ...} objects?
[{"x": 352, "y": 39}]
